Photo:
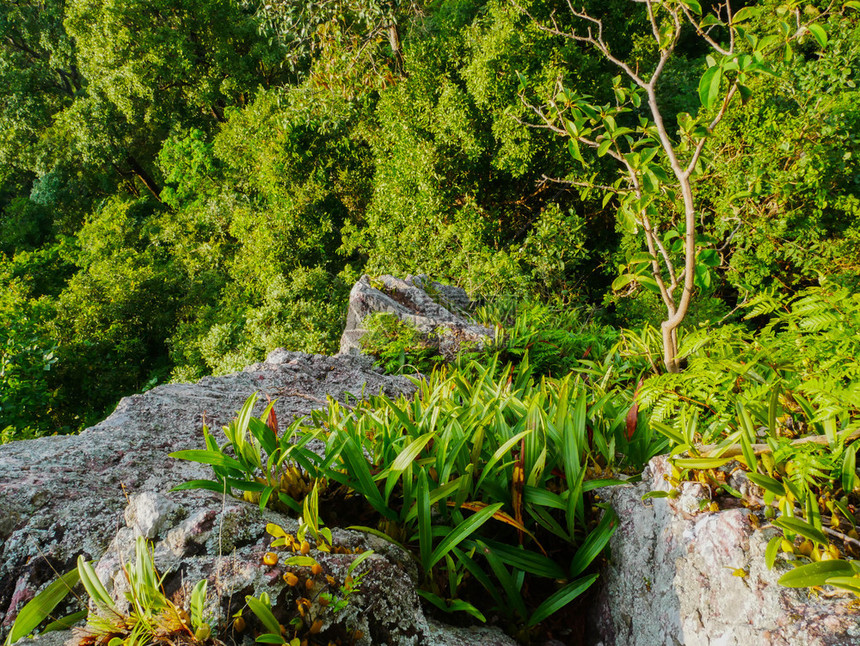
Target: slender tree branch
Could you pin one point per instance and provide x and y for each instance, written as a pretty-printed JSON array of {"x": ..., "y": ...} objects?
[
  {"x": 701, "y": 144},
  {"x": 729, "y": 17},
  {"x": 602, "y": 187},
  {"x": 705, "y": 35},
  {"x": 649, "y": 6},
  {"x": 596, "y": 41},
  {"x": 670, "y": 266}
]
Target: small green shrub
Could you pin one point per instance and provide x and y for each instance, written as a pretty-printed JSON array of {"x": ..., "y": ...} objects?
[
  {"x": 556, "y": 339},
  {"x": 398, "y": 346},
  {"x": 806, "y": 349},
  {"x": 238, "y": 464}
]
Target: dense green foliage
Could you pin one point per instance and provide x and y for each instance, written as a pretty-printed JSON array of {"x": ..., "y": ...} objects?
[{"x": 188, "y": 184}]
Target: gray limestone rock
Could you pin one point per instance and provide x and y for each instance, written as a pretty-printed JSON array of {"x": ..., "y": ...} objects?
[
  {"x": 672, "y": 578},
  {"x": 439, "y": 311},
  {"x": 95, "y": 493}
]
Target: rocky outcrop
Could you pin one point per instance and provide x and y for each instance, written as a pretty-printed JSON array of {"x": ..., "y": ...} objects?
[
  {"x": 203, "y": 536},
  {"x": 436, "y": 310},
  {"x": 91, "y": 494},
  {"x": 681, "y": 576}
]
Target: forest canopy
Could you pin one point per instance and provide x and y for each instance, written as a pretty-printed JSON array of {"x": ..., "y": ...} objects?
[{"x": 186, "y": 185}]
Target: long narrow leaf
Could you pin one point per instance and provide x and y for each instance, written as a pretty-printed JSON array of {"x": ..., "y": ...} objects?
[
  {"x": 408, "y": 455},
  {"x": 438, "y": 494},
  {"x": 40, "y": 607},
  {"x": 477, "y": 572},
  {"x": 263, "y": 614},
  {"x": 512, "y": 592},
  {"x": 209, "y": 485},
  {"x": 214, "y": 458},
  {"x": 527, "y": 561},
  {"x": 813, "y": 574},
  {"x": 561, "y": 598},
  {"x": 498, "y": 454},
  {"x": 65, "y": 623},
  {"x": 594, "y": 543},
  {"x": 93, "y": 585},
  {"x": 359, "y": 469},
  {"x": 801, "y": 527},
  {"x": 543, "y": 497},
  {"x": 463, "y": 531},
  {"x": 425, "y": 528}
]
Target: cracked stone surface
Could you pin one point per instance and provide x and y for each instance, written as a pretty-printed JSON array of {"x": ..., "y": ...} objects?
[
  {"x": 671, "y": 579},
  {"x": 439, "y": 311}
]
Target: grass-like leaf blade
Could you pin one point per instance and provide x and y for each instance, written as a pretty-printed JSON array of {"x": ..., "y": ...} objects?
[
  {"x": 594, "y": 543},
  {"x": 813, "y": 574},
  {"x": 462, "y": 532},
  {"x": 264, "y": 614},
  {"x": 40, "y": 607},
  {"x": 561, "y": 598},
  {"x": 215, "y": 458},
  {"x": 801, "y": 527}
]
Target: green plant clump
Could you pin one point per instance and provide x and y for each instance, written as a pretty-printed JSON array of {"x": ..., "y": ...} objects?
[
  {"x": 782, "y": 404},
  {"x": 484, "y": 476},
  {"x": 398, "y": 346},
  {"x": 150, "y": 617}
]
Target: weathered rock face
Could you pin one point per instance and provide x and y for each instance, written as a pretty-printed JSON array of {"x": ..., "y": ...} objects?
[
  {"x": 223, "y": 541},
  {"x": 672, "y": 578},
  {"x": 435, "y": 309},
  {"x": 91, "y": 494}
]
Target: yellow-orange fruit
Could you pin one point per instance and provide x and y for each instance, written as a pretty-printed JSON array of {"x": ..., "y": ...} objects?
[
  {"x": 270, "y": 558},
  {"x": 291, "y": 579}
]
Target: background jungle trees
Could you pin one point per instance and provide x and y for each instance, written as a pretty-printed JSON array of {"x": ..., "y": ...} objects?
[{"x": 187, "y": 184}]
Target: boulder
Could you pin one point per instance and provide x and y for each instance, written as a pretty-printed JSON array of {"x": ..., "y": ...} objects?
[
  {"x": 438, "y": 311},
  {"x": 222, "y": 541},
  {"x": 681, "y": 575},
  {"x": 93, "y": 493}
]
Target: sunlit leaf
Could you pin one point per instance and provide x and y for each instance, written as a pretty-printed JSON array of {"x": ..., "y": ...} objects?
[
  {"x": 813, "y": 574},
  {"x": 709, "y": 86},
  {"x": 819, "y": 33},
  {"x": 801, "y": 527},
  {"x": 40, "y": 607}
]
